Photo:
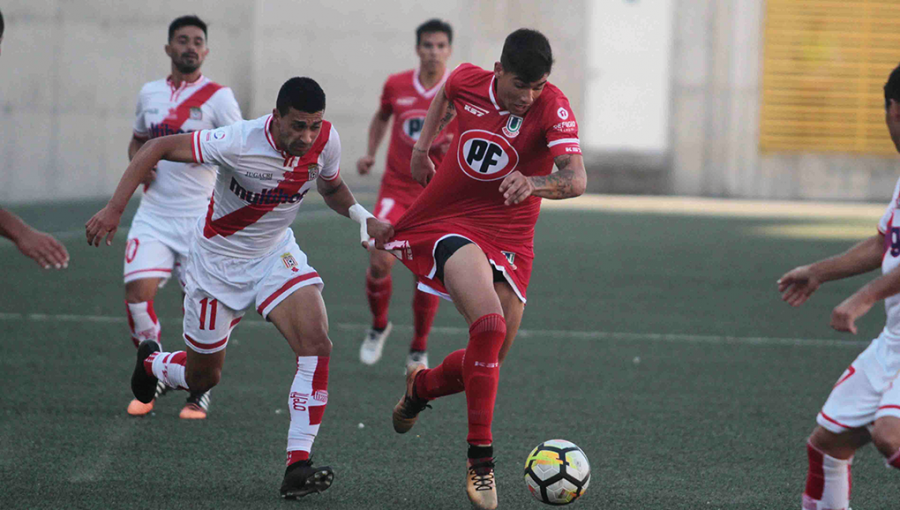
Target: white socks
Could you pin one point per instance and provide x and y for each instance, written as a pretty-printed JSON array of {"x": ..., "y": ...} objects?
[{"x": 309, "y": 395}]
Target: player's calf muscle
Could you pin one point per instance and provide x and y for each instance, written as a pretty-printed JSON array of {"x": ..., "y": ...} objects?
[{"x": 139, "y": 291}]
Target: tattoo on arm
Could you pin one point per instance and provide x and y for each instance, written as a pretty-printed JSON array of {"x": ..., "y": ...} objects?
[
  {"x": 327, "y": 190},
  {"x": 451, "y": 112},
  {"x": 557, "y": 185},
  {"x": 562, "y": 161}
]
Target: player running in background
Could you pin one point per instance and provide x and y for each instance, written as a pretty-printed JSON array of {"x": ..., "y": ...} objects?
[
  {"x": 175, "y": 194},
  {"x": 244, "y": 254},
  {"x": 864, "y": 404},
  {"x": 36, "y": 245},
  {"x": 469, "y": 236},
  {"x": 406, "y": 96}
]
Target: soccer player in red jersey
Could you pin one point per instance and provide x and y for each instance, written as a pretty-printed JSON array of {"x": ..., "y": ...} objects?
[
  {"x": 36, "y": 245},
  {"x": 469, "y": 236},
  {"x": 406, "y": 97}
]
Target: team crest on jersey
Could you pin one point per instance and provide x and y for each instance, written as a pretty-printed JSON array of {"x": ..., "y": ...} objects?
[
  {"x": 511, "y": 258},
  {"x": 313, "y": 171},
  {"x": 196, "y": 113},
  {"x": 513, "y": 125},
  {"x": 289, "y": 262},
  {"x": 486, "y": 156}
]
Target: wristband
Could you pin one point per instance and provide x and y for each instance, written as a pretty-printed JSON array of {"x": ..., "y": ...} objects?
[{"x": 359, "y": 214}]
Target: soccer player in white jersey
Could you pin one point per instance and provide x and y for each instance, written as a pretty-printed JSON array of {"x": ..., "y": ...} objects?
[
  {"x": 864, "y": 404},
  {"x": 174, "y": 195},
  {"x": 244, "y": 254}
]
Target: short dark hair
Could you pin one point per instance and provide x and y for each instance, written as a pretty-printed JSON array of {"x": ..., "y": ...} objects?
[
  {"x": 527, "y": 54},
  {"x": 302, "y": 94},
  {"x": 434, "y": 25},
  {"x": 892, "y": 88},
  {"x": 187, "y": 21}
]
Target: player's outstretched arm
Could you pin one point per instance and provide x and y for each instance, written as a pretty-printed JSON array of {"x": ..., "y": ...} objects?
[
  {"x": 440, "y": 113},
  {"x": 36, "y": 245},
  {"x": 171, "y": 148},
  {"x": 133, "y": 147},
  {"x": 338, "y": 197},
  {"x": 798, "y": 284},
  {"x": 377, "y": 129},
  {"x": 568, "y": 182}
]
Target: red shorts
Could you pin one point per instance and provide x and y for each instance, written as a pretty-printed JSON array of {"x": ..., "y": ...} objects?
[{"x": 415, "y": 248}]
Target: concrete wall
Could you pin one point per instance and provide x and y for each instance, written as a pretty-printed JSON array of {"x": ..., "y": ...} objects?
[
  {"x": 70, "y": 71},
  {"x": 717, "y": 65}
]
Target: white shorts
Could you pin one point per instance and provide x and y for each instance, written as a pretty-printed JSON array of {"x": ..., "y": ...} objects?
[
  {"x": 865, "y": 392},
  {"x": 220, "y": 287},
  {"x": 157, "y": 246}
]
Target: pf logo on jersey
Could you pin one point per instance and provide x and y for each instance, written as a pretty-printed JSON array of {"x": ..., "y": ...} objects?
[
  {"x": 411, "y": 123},
  {"x": 486, "y": 156}
]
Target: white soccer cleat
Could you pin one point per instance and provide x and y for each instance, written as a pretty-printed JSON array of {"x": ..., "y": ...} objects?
[
  {"x": 417, "y": 358},
  {"x": 373, "y": 343}
]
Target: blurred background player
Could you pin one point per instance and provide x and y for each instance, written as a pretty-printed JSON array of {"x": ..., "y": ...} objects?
[
  {"x": 470, "y": 235},
  {"x": 36, "y": 245},
  {"x": 175, "y": 194},
  {"x": 406, "y": 96},
  {"x": 864, "y": 404},
  {"x": 244, "y": 253}
]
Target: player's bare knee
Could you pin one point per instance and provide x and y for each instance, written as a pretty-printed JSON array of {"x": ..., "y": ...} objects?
[
  {"x": 886, "y": 436},
  {"x": 140, "y": 291},
  {"x": 839, "y": 446},
  {"x": 380, "y": 265},
  {"x": 313, "y": 342}
]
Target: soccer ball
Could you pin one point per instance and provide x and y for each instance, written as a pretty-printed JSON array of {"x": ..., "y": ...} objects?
[{"x": 557, "y": 472}]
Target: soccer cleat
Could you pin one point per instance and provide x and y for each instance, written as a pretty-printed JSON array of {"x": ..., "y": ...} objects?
[
  {"x": 196, "y": 407},
  {"x": 142, "y": 385},
  {"x": 301, "y": 478},
  {"x": 373, "y": 343},
  {"x": 138, "y": 408},
  {"x": 417, "y": 358},
  {"x": 481, "y": 487},
  {"x": 406, "y": 412}
]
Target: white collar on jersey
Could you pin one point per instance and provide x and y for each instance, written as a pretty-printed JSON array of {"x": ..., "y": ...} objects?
[
  {"x": 428, "y": 94},
  {"x": 491, "y": 93},
  {"x": 185, "y": 84}
]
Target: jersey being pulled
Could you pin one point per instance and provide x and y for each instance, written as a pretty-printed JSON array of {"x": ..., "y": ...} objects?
[
  {"x": 407, "y": 100},
  {"x": 182, "y": 189},
  {"x": 259, "y": 188},
  {"x": 492, "y": 143}
]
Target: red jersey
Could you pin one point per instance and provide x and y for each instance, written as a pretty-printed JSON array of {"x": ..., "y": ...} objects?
[
  {"x": 492, "y": 143},
  {"x": 408, "y": 101}
]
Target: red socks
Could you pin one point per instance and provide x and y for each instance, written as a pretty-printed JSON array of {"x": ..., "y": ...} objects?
[
  {"x": 442, "y": 380},
  {"x": 379, "y": 293},
  {"x": 425, "y": 306},
  {"x": 481, "y": 374}
]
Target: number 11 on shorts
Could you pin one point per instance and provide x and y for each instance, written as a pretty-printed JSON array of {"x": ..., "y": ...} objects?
[{"x": 205, "y": 304}]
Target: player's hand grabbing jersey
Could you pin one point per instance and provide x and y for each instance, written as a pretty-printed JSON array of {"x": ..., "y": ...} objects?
[
  {"x": 259, "y": 188},
  {"x": 407, "y": 100},
  {"x": 492, "y": 143},
  {"x": 163, "y": 109}
]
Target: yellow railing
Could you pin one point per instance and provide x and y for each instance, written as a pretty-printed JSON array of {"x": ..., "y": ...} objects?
[{"x": 825, "y": 63}]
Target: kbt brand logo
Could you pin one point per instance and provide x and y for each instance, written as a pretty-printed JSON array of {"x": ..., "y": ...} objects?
[{"x": 486, "y": 156}]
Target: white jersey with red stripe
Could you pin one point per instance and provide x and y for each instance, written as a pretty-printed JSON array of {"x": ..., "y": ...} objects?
[
  {"x": 890, "y": 227},
  {"x": 182, "y": 189},
  {"x": 259, "y": 188}
]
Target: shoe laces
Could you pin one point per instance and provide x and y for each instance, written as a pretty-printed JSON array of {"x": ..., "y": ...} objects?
[
  {"x": 482, "y": 475},
  {"x": 414, "y": 406}
]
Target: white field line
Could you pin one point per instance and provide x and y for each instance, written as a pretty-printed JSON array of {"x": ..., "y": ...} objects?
[{"x": 556, "y": 334}]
